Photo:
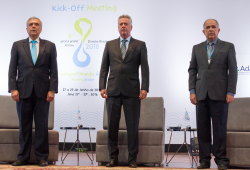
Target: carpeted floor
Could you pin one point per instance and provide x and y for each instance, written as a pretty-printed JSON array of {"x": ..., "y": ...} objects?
[
  {"x": 180, "y": 162},
  {"x": 59, "y": 167}
]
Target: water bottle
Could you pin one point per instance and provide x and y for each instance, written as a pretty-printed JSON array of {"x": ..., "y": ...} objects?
[{"x": 79, "y": 118}]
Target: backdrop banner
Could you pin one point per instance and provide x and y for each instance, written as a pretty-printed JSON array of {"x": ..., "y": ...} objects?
[{"x": 81, "y": 28}]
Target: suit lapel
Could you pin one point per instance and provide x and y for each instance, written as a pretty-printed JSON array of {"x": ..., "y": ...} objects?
[
  {"x": 204, "y": 52},
  {"x": 118, "y": 47},
  {"x": 26, "y": 47},
  {"x": 130, "y": 47},
  {"x": 216, "y": 50},
  {"x": 41, "y": 50}
]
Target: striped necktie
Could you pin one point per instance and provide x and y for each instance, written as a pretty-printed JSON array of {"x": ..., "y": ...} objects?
[
  {"x": 210, "y": 48},
  {"x": 123, "y": 48},
  {"x": 210, "y": 51}
]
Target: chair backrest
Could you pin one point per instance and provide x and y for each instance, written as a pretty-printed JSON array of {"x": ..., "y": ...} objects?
[
  {"x": 152, "y": 116},
  {"x": 239, "y": 115},
  {"x": 9, "y": 117}
]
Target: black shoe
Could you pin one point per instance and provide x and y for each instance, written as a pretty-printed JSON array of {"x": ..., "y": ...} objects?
[
  {"x": 222, "y": 167},
  {"x": 19, "y": 162},
  {"x": 42, "y": 163},
  {"x": 204, "y": 165},
  {"x": 132, "y": 164},
  {"x": 112, "y": 163}
]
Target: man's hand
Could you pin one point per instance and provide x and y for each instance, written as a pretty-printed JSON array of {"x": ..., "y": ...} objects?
[
  {"x": 143, "y": 94},
  {"x": 15, "y": 95},
  {"x": 104, "y": 93},
  {"x": 193, "y": 99},
  {"x": 230, "y": 98},
  {"x": 50, "y": 96}
]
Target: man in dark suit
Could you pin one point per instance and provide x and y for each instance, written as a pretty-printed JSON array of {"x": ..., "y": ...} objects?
[
  {"x": 33, "y": 82},
  {"x": 121, "y": 59},
  {"x": 212, "y": 85}
]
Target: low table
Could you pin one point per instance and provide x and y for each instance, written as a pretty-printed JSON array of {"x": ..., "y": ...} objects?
[
  {"x": 185, "y": 142},
  {"x": 77, "y": 142}
]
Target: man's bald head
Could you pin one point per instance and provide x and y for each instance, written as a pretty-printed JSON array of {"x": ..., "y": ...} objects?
[{"x": 211, "y": 29}]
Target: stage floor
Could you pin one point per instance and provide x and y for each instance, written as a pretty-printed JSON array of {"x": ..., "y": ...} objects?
[{"x": 180, "y": 161}]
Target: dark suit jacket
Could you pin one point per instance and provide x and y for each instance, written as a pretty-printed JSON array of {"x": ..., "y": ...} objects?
[
  {"x": 23, "y": 73},
  {"x": 216, "y": 78},
  {"x": 124, "y": 74}
]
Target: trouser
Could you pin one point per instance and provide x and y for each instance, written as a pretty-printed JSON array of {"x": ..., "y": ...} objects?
[
  {"x": 26, "y": 108},
  {"x": 218, "y": 111},
  {"x": 131, "y": 106}
]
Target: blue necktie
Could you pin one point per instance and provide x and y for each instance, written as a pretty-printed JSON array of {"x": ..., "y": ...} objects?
[{"x": 33, "y": 51}]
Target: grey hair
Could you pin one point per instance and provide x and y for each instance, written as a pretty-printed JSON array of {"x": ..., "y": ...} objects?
[
  {"x": 125, "y": 16},
  {"x": 212, "y": 19},
  {"x": 34, "y": 18}
]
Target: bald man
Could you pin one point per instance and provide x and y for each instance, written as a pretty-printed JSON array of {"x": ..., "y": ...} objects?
[{"x": 212, "y": 85}]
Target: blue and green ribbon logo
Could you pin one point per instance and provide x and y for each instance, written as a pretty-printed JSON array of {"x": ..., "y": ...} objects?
[{"x": 79, "y": 30}]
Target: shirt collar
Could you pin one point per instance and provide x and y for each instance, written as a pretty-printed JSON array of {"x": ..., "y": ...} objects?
[
  {"x": 126, "y": 39},
  {"x": 214, "y": 41},
  {"x": 37, "y": 40}
]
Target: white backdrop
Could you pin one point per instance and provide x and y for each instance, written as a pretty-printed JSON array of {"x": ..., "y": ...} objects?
[{"x": 170, "y": 28}]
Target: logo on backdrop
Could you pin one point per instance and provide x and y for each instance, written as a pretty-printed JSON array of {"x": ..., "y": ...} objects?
[
  {"x": 243, "y": 70},
  {"x": 84, "y": 36},
  {"x": 80, "y": 8},
  {"x": 65, "y": 8}
]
